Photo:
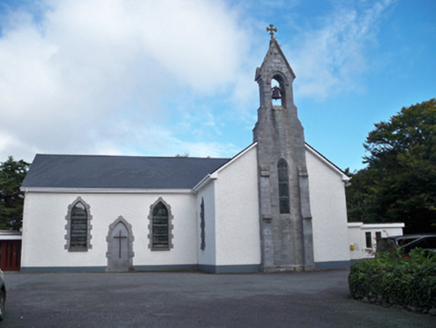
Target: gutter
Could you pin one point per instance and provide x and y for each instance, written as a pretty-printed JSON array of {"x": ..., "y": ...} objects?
[
  {"x": 205, "y": 181},
  {"x": 104, "y": 190}
]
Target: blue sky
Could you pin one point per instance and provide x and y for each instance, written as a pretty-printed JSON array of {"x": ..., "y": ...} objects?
[{"x": 177, "y": 77}]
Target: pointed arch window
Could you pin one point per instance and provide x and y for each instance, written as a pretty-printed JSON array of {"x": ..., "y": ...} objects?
[
  {"x": 282, "y": 168},
  {"x": 160, "y": 226},
  {"x": 78, "y": 227},
  {"x": 202, "y": 226}
]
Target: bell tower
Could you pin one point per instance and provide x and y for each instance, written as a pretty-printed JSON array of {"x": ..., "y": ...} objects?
[{"x": 284, "y": 204}]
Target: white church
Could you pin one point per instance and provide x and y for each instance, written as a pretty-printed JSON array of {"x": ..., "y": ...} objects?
[{"x": 278, "y": 205}]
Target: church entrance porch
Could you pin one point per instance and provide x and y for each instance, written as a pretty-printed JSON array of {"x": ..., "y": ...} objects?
[{"x": 120, "y": 246}]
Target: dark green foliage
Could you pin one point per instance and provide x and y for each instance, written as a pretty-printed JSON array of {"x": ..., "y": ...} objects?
[
  {"x": 359, "y": 196},
  {"x": 12, "y": 174},
  {"x": 399, "y": 183},
  {"x": 393, "y": 281}
]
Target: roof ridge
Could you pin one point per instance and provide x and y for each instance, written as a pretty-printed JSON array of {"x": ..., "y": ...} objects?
[{"x": 133, "y": 156}]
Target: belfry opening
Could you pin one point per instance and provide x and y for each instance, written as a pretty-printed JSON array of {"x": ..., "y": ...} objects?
[{"x": 278, "y": 91}]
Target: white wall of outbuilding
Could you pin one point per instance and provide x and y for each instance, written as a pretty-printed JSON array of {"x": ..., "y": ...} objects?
[{"x": 357, "y": 237}]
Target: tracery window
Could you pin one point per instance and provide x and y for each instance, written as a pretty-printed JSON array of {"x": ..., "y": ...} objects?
[
  {"x": 282, "y": 168},
  {"x": 160, "y": 226},
  {"x": 78, "y": 227}
]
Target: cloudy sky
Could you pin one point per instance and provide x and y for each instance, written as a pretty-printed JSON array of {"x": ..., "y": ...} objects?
[{"x": 167, "y": 77}]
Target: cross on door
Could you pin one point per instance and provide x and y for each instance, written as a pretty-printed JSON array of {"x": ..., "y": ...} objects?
[{"x": 119, "y": 237}]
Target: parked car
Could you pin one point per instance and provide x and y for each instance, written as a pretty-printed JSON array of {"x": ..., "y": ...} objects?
[
  {"x": 406, "y": 243},
  {"x": 426, "y": 242},
  {"x": 2, "y": 295}
]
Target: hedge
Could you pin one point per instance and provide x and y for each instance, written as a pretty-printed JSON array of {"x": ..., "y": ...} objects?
[{"x": 393, "y": 281}]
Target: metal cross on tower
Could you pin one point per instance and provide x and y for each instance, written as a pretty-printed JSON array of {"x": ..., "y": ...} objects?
[{"x": 271, "y": 29}]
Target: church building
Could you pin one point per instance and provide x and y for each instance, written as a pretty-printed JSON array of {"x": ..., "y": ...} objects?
[{"x": 278, "y": 205}]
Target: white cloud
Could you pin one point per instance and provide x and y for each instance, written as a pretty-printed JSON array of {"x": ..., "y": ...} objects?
[
  {"x": 160, "y": 140},
  {"x": 330, "y": 59},
  {"x": 85, "y": 73},
  {"x": 128, "y": 76}
]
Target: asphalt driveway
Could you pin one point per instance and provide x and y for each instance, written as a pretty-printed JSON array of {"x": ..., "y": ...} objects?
[{"x": 192, "y": 299}]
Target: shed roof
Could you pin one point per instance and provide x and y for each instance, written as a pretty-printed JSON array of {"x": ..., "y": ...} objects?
[{"x": 124, "y": 172}]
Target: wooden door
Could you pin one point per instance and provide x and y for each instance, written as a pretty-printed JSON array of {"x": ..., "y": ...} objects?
[{"x": 10, "y": 255}]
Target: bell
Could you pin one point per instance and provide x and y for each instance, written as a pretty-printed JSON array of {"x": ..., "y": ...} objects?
[{"x": 276, "y": 93}]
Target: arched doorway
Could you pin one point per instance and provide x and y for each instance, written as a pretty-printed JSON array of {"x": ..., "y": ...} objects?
[{"x": 120, "y": 246}]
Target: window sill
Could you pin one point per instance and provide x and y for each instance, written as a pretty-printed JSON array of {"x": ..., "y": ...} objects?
[
  {"x": 160, "y": 249},
  {"x": 75, "y": 250}
]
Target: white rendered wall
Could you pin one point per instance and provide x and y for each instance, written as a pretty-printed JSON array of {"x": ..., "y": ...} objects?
[
  {"x": 329, "y": 211},
  {"x": 237, "y": 212},
  {"x": 357, "y": 237},
  {"x": 44, "y": 229},
  {"x": 208, "y": 255}
]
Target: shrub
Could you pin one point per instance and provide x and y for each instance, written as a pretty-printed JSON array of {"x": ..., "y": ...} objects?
[{"x": 390, "y": 279}]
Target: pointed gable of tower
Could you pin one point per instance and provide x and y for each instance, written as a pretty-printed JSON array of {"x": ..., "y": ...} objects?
[
  {"x": 275, "y": 57},
  {"x": 284, "y": 204}
]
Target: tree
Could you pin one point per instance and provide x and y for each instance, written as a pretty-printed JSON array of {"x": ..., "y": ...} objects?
[
  {"x": 359, "y": 196},
  {"x": 12, "y": 174},
  {"x": 399, "y": 183}
]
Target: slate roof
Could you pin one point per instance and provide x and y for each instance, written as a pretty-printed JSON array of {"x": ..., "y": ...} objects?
[{"x": 88, "y": 171}]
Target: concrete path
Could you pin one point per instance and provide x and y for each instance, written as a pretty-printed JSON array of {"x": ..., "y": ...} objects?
[{"x": 191, "y": 299}]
